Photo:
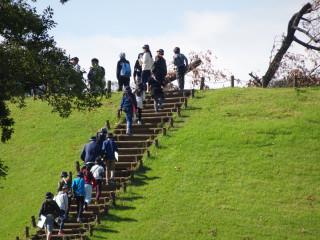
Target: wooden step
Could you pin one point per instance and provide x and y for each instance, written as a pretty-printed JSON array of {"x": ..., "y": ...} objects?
[
  {"x": 128, "y": 151},
  {"x": 134, "y": 137},
  {"x": 134, "y": 144},
  {"x": 137, "y": 126},
  {"x": 134, "y": 131},
  {"x": 130, "y": 158},
  {"x": 126, "y": 165},
  {"x": 165, "y": 105}
]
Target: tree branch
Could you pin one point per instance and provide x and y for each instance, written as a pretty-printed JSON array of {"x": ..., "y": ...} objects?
[
  {"x": 308, "y": 46},
  {"x": 316, "y": 40}
]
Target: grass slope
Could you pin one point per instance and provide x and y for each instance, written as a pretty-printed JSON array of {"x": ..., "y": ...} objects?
[
  {"x": 42, "y": 146},
  {"x": 249, "y": 159}
]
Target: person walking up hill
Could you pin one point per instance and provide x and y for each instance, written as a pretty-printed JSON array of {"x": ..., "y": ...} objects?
[
  {"x": 79, "y": 192},
  {"x": 181, "y": 63},
  {"x": 123, "y": 72},
  {"x": 146, "y": 63},
  {"x": 128, "y": 105}
]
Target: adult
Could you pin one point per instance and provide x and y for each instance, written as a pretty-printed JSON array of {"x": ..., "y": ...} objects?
[
  {"x": 146, "y": 65},
  {"x": 98, "y": 173},
  {"x": 79, "y": 192},
  {"x": 76, "y": 66},
  {"x": 96, "y": 76},
  {"x": 181, "y": 63},
  {"x": 50, "y": 210},
  {"x": 161, "y": 66},
  {"x": 91, "y": 151},
  {"x": 137, "y": 70},
  {"x": 156, "y": 90},
  {"x": 101, "y": 136},
  {"x": 128, "y": 105},
  {"x": 110, "y": 147},
  {"x": 123, "y": 72}
]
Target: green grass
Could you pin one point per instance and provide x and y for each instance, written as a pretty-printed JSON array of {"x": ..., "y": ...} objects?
[
  {"x": 42, "y": 146},
  {"x": 249, "y": 159}
]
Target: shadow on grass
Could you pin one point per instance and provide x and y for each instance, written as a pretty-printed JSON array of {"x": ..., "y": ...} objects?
[
  {"x": 122, "y": 207},
  {"x": 114, "y": 218},
  {"x": 141, "y": 178}
]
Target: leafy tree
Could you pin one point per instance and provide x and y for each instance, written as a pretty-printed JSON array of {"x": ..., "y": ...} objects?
[{"x": 31, "y": 62}]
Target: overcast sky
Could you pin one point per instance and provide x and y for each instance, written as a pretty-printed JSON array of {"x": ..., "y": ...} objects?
[{"x": 240, "y": 33}]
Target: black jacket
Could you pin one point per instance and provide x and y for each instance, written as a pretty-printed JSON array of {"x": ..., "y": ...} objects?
[
  {"x": 155, "y": 86},
  {"x": 137, "y": 69},
  {"x": 119, "y": 67},
  {"x": 161, "y": 66}
]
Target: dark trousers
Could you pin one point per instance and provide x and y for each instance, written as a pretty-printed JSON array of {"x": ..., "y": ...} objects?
[
  {"x": 158, "y": 99},
  {"x": 69, "y": 204},
  {"x": 62, "y": 222},
  {"x": 123, "y": 82},
  {"x": 98, "y": 188},
  {"x": 145, "y": 75},
  {"x": 139, "y": 114},
  {"x": 80, "y": 203},
  {"x": 180, "y": 76}
]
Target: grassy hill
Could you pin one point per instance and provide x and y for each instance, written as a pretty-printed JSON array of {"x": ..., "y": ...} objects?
[{"x": 239, "y": 164}]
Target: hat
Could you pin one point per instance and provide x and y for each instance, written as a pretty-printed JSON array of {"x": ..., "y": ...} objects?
[
  {"x": 98, "y": 160},
  {"x": 79, "y": 174},
  {"x": 104, "y": 130},
  {"x": 94, "y": 60},
  {"x": 64, "y": 174},
  {"x": 49, "y": 195},
  {"x": 140, "y": 55},
  {"x": 154, "y": 71},
  {"x": 93, "y": 139},
  {"x": 109, "y": 135},
  {"x": 75, "y": 58},
  {"x": 127, "y": 89},
  {"x": 122, "y": 55},
  {"x": 176, "y": 50},
  {"x": 66, "y": 186},
  {"x": 146, "y": 46},
  {"x": 161, "y": 51}
]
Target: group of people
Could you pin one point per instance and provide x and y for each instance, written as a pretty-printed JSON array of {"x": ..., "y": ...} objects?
[
  {"x": 99, "y": 158},
  {"x": 143, "y": 68}
]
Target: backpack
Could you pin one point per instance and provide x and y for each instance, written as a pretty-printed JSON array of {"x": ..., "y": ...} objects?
[
  {"x": 100, "y": 138},
  {"x": 125, "y": 70}
]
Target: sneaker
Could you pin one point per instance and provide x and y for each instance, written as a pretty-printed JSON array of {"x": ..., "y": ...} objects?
[
  {"x": 96, "y": 202},
  {"x": 128, "y": 132},
  {"x": 79, "y": 220},
  {"x": 156, "y": 111},
  {"x": 139, "y": 122},
  {"x": 61, "y": 233},
  {"x": 160, "y": 105}
]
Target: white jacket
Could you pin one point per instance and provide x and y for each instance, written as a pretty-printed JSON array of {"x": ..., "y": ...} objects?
[
  {"x": 146, "y": 61},
  {"x": 62, "y": 200},
  {"x": 140, "y": 100},
  {"x": 97, "y": 170}
]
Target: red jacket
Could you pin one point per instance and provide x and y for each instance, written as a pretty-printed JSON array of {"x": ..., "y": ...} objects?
[{"x": 93, "y": 181}]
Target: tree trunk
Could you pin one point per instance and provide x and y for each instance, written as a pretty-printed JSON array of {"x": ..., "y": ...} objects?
[
  {"x": 293, "y": 23},
  {"x": 172, "y": 75}
]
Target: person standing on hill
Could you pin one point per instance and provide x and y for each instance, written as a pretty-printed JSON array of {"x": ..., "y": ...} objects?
[
  {"x": 156, "y": 91},
  {"x": 98, "y": 173},
  {"x": 62, "y": 182},
  {"x": 50, "y": 210},
  {"x": 91, "y": 151},
  {"x": 109, "y": 148},
  {"x": 123, "y": 72},
  {"x": 140, "y": 97},
  {"x": 137, "y": 70},
  {"x": 76, "y": 66},
  {"x": 101, "y": 136},
  {"x": 96, "y": 76},
  {"x": 161, "y": 66},
  {"x": 128, "y": 105},
  {"x": 90, "y": 182},
  {"x": 79, "y": 192},
  {"x": 146, "y": 62},
  {"x": 63, "y": 203},
  {"x": 181, "y": 63}
]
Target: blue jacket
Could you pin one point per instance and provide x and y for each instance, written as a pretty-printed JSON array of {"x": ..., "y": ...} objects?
[
  {"x": 109, "y": 147},
  {"x": 126, "y": 103},
  {"x": 78, "y": 186},
  {"x": 90, "y": 152}
]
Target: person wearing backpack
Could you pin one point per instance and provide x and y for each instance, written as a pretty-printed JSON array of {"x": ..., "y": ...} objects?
[
  {"x": 49, "y": 209},
  {"x": 62, "y": 182},
  {"x": 140, "y": 97},
  {"x": 181, "y": 63},
  {"x": 98, "y": 172},
  {"x": 123, "y": 72},
  {"x": 161, "y": 66},
  {"x": 90, "y": 183},
  {"x": 63, "y": 203},
  {"x": 109, "y": 147},
  {"x": 156, "y": 90},
  {"x": 101, "y": 136},
  {"x": 79, "y": 193},
  {"x": 128, "y": 105},
  {"x": 91, "y": 151},
  {"x": 137, "y": 70},
  {"x": 146, "y": 62}
]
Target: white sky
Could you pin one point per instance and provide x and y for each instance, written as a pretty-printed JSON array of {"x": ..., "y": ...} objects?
[{"x": 239, "y": 32}]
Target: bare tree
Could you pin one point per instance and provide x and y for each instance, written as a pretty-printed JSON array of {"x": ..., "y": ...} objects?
[{"x": 307, "y": 22}]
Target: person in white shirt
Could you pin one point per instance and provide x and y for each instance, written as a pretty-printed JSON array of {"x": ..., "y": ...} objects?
[
  {"x": 98, "y": 171},
  {"x": 62, "y": 201},
  {"x": 146, "y": 63},
  {"x": 76, "y": 66}
]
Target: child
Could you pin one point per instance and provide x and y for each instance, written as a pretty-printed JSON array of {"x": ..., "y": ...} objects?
[
  {"x": 137, "y": 70},
  {"x": 140, "y": 96},
  {"x": 98, "y": 173},
  {"x": 65, "y": 181},
  {"x": 78, "y": 189},
  {"x": 101, "y": 136},
  {"x": 49, "y": 209},
  {"x": 156, "y": 91},
  {"x": 128, "y": 105},
  {"x": 90, "y": 182},
  {"x": 63, "y": 202},
  {"x": 109, "y": 147},
  {"x": 161, "y": 66}
]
